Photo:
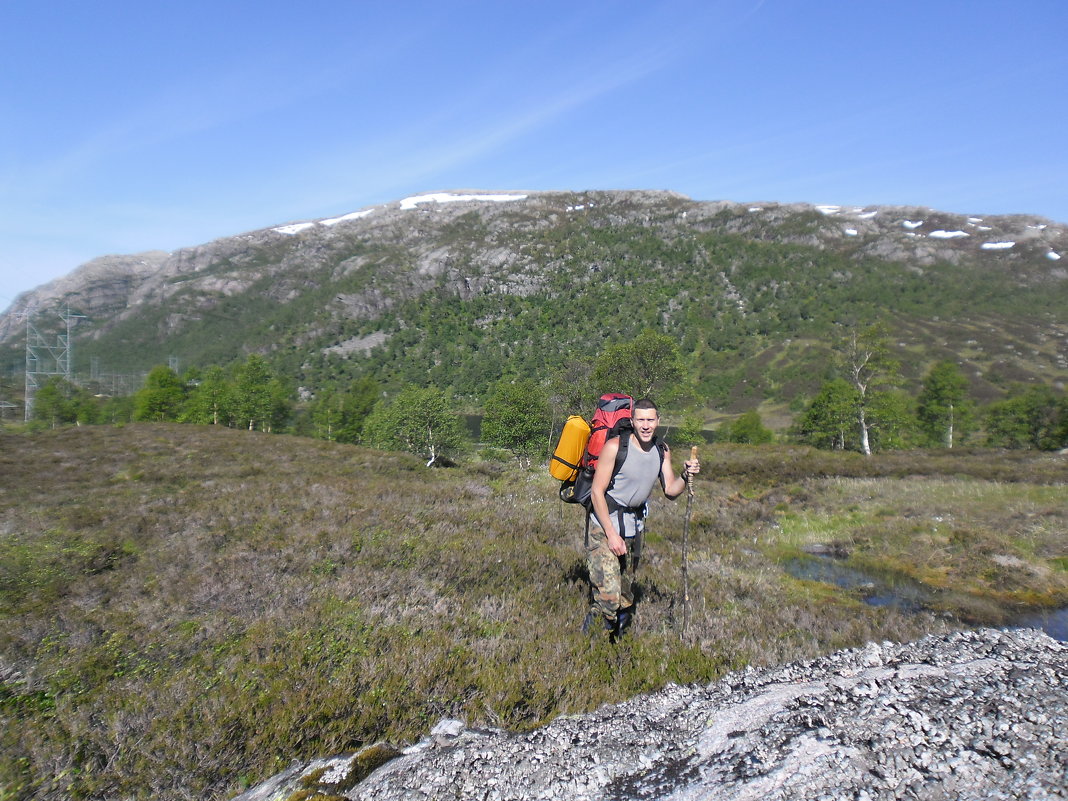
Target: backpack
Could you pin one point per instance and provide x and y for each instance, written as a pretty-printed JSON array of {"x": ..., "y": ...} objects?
[
  {"x": 566, "y": 460},
  {"x": 611, "y": 419}
]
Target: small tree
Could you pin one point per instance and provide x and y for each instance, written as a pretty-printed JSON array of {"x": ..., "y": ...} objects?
[
  {"x": 162, "y": 396},
  {"x": 340, "y": 416},
  {"x": 117, "y": 410},
  {"x": 253, "y": 397},
  {"x": 279, "y": 409},
  {"x": 210, "y": 402},
  {"x": 891, "y": 420},
  {"x": 650, "y": 363},
  {"x": 359, "y": 401},
  {"x": 691, "y": 432},
  {"x": 420, "y": 421},
  {"x": 942, "y": 407},
  {"x": 1037, "y": 418},
  {"x": 829, "y": 417},
  {"x": 571, "y": 390},
  {"x": 87, "y": 409},
  {"x": 865, "y": 356},
  {"x": 517, "y": 419},
  {"x": 52, "y": 405},
  {"x": 749, "y": 430},
  {"x": 326, "y": 414}
]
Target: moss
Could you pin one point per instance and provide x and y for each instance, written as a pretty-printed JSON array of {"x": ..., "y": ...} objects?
[
  {"x": 360, "y": 766},
  {"x": 313, "y": 795},
  {"x": 366, "y": 761}
]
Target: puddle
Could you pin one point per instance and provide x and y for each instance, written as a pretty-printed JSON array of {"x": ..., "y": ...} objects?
[
  {"x": 912, "y": 596},
  {"x": 1054, "y": 622},
  {"x": 875, "y": 591}
]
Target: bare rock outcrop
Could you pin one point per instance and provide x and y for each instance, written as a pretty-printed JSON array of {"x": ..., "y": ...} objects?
[
  {"x": 101, "y": 287},
  {"x": 967, "y": 715}
]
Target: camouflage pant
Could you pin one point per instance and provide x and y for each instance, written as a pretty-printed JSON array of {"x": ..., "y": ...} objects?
[{"x": 611, "y": 576}]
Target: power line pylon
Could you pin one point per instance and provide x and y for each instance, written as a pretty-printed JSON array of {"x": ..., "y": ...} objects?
[{"x": 44, "y": 359}]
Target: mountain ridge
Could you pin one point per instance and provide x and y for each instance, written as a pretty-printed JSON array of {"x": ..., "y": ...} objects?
[
  {"x": 322, "y": 295},
  {"x": 84, "y": 277}
]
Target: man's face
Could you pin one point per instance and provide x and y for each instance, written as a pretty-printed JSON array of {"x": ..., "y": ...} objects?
[{"x": 645, "y": 422}]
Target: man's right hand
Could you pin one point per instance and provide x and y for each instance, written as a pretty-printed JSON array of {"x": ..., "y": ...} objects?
[{"x": 616, "y": 544}]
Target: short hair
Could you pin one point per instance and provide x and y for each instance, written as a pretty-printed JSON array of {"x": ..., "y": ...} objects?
[{"x": 647, "y": 403}]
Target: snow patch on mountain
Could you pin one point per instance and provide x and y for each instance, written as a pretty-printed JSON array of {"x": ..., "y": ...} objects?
[
  {"x": 295, "y": 228},
  {"x": 449, "y": 197},
  {"x": 356, "y": 215}
]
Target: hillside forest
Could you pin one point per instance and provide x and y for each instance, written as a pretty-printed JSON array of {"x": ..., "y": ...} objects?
[{"x": 863, "y": 406}]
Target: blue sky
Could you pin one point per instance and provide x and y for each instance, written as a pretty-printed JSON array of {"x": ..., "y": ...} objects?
[{"x": 129, "y": 126}]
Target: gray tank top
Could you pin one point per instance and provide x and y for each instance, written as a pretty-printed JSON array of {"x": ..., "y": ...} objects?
[{"x": 635, "y": 480}]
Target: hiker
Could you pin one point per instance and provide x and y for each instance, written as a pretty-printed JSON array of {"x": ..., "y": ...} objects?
[{"x": 614, "y": 541}]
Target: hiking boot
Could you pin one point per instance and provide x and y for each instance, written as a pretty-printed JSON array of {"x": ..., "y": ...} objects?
[
  {"x": 588, "y": 625},
  {"x": 624, "y": 617}
]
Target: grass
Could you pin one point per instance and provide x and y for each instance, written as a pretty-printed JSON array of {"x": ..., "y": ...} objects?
[
  {"x": 972, "y": 538},
  {"x": 186, "y": 609}
]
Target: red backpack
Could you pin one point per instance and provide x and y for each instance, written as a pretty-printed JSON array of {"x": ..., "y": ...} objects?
[
  {"x": 612, "y": 414},
  {"x": 610, "y": 419}
]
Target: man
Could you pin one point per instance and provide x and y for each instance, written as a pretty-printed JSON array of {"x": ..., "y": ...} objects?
[{"x": 613, "y": 545}]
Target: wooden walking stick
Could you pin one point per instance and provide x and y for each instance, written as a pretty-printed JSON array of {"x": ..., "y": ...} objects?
[{"x": 685, "y": 546}]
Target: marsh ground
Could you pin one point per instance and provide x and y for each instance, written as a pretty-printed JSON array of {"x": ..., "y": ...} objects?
[{"x": 186, "y": 609}]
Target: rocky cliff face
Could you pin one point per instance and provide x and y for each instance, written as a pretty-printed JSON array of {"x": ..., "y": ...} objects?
[
  {"x": 967, "y": 715},
  {"x": 102, "y": 287}
]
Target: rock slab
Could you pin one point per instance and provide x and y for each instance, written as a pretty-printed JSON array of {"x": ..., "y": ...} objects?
[{"x": 968, "y": 715}]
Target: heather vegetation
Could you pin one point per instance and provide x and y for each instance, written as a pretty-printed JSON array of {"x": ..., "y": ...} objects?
[{"x": 186, "y": 608}]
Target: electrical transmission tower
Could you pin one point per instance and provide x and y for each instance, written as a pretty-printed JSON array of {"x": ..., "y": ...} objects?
[
  {"x": 6, "y": 406},
  {"x": 45, "y": 359}
]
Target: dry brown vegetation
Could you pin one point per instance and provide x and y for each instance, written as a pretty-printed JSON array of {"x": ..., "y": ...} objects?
[{"x": 185, "y": 609}]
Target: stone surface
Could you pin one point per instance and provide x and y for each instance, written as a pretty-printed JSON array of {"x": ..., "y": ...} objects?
[{"x": 967, "y": 715}]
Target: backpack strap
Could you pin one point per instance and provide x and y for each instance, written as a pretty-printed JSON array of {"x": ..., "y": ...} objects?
[
  {"x": 662, "y": 447},
  {"x": 621, "y": 456}
]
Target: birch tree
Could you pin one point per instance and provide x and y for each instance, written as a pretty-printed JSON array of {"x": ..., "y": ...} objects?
[
  {"x": 161, "y": 397},
  {"x": 829, "y": 418},
  {"x": 260, "y": 400},
  {"x": 211, "y": 400},
  {"x": 649, "y": 363},
  {"x": 417, "y": 420},
  {"x": 865, "y": 358},
  {"x": 518, "y": 419},
  {"x": 942, "y": 406}
]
